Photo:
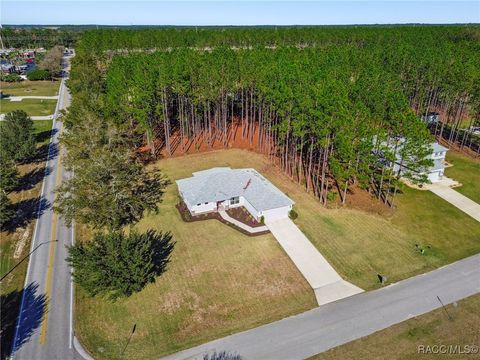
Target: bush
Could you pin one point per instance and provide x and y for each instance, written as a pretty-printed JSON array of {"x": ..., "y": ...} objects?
[
  {"x": 262, "y": 219},
  {"x": 118, "y": 265},
  {"x": 292, "y": 214},
  {"x": 39, "y": 74},
  {"x": 10, "y": 77},
  {"x": 331, "y": 196}
]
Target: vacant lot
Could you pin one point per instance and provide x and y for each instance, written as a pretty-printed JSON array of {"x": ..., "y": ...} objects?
[
  {"x": 33, "y": 107},
  {"x": 30, "y": 88},
  {"x": 220, "y": 281},
  {"x": 15, "y": 241},
  {"x": 466, "y": 170},
  {"x": 402, "y": 340}
]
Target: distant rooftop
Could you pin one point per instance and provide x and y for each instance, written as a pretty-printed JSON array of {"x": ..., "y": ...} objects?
[{"x": 223, "y": 183}]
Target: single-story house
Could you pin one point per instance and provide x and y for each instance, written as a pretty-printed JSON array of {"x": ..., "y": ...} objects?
[
  {"x": 434, "y": 172},
  {"x": 222, "y": 188}
]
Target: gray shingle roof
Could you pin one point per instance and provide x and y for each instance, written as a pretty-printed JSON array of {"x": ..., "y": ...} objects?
[
  {"x": 438, "y": 148},
  {"x": 218, "y": 184}
]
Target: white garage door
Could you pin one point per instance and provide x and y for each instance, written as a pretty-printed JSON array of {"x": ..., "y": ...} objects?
[{"x": 276, "y": 214}]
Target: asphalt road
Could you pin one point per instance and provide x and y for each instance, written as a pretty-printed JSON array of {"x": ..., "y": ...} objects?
[
  {"x": 43, "y": 330},
  {"x": 333, "y": 324}
]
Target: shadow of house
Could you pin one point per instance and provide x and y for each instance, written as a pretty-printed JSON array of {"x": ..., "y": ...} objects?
[
  {"x": 32, "y": 178},
  {"x": 26, "y": 211},
  {"x": 33, "y": 311}
]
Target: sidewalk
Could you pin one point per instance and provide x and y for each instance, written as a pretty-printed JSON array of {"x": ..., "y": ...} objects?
[
  {"x": 251, "y": 230},
  {"x": 20, "y": 98}
]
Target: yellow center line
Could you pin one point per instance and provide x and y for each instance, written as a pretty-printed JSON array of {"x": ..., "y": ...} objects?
[{"x": 51, "y": 255}]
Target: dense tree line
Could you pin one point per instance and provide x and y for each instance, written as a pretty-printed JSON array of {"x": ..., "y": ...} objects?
[
  {"x": 36, "y": 37},
  {"x": 437, "y": 65},
  {"x": 320, "y": 102}
]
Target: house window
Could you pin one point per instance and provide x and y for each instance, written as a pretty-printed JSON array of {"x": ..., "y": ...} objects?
[{"x": 234, "y": 200}]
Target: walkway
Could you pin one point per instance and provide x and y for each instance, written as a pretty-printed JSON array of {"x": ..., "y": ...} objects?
[
  {"x": 39, "y": 117},
  {"x": 458, "y": 200},
  {"x": 251, "y": 230},
  {"x": 20, "y": 98},
  {"x": 322, "y": 277},
  {"x": 334, "y": 324}
]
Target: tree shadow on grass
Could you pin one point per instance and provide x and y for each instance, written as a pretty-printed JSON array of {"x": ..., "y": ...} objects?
[
  {"x": 26, "y": 211},
  {"x": 33, "y": 311},
  {"x": 44, "y": 153},
  {"x": 32, "y": 178},
  {"x": 45, "y": 135},
  {"x": 163, "y": 250}
]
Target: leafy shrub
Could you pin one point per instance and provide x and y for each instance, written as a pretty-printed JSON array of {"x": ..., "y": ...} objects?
[
  {"x": 262, "y": 219},
  {"x": 39, "y": 74},
  {"x": 292, "y": 214},
  {"x": 10, "y": 77},
  {"x": 118, "y": 265},
  {"x": 331, "y": 195}
]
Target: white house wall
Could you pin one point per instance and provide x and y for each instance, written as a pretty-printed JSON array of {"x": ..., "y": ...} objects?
[
  {"x": 203, "y": 208},
  {"x": 435, "y": 176}
]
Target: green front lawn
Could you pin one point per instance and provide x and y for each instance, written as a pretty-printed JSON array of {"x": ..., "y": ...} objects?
[
  {"x": 33, "y": 107},
  {"x": 465, "y": 170},
  {"x": 30, "y": 88},
  {"x": 220, "y": 281},
  {"x": 402, "y": 341}
]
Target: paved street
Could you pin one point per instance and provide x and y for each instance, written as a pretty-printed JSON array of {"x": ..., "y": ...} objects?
[
  {"x": 43, "y": 329},
  {"x": 330, "y": 325}
]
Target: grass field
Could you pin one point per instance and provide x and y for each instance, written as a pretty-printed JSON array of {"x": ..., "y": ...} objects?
[
  {"x": 30, "y": 88},
  {"x": 33, "y": 107},
  {"x": 467, "y": 171},
  {"x": 402, "y": 341},
  {"x": 221, "y": 282},
  {"x": 26, "y": 198}
]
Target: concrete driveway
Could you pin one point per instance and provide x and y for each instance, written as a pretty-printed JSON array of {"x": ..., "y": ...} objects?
[
  {"x": 458, "y": 200},
  {"x": 322, "y": 277}
]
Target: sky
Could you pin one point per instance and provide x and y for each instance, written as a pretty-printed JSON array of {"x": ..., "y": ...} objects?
[{"x": 224, "y": 12}]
